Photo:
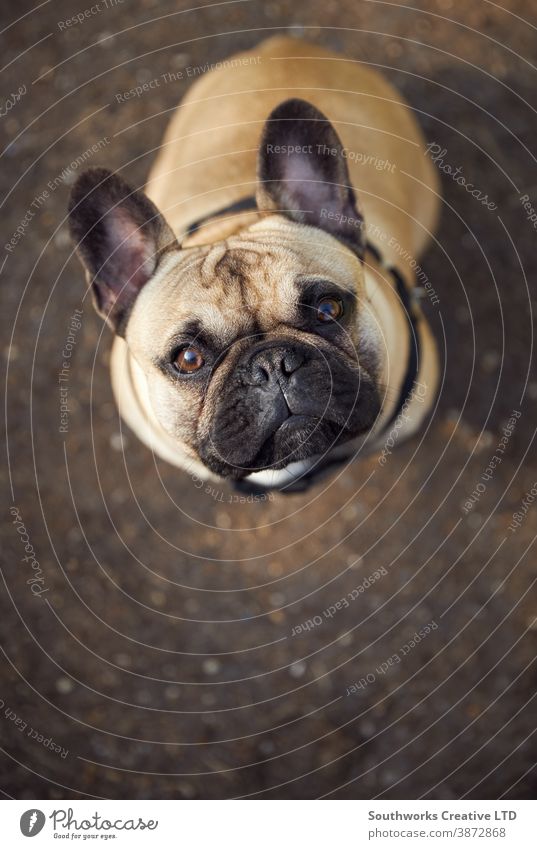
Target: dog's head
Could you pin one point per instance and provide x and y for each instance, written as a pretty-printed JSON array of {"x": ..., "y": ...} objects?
[{"x": 258, "y": 350}]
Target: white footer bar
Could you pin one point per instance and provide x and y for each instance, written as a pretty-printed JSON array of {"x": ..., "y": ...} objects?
[{"x": 268, "y": 824}]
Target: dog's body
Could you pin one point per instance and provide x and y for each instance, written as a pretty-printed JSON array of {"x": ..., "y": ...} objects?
[{"x": 238, "y": 266}]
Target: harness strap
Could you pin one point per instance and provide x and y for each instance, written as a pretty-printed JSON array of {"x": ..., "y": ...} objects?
[
  {"x": 243, "y": 205},
  {"x": 406, "y": 297}
]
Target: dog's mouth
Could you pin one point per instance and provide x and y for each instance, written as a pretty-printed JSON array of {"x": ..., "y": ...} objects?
[
  {"x": 292, "y": 436},
  {"x": 286, "y": 403},
  {"x": 299, "y": 437}
]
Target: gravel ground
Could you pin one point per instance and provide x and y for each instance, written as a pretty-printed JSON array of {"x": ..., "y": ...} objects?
[{"x": 158, "y": 660}]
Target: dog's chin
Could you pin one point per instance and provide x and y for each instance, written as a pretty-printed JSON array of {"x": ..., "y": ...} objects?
[
  {"x": 298, "y": 438},
  {"x": 244, "y": 438}
]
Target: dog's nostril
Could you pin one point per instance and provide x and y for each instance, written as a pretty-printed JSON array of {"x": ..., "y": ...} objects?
[
  {"x": 291, "y": 361},
  {"x": 258, "y": 373},
  {"x": 261, "y": 374},
  {"x": 271, "y": 364}
]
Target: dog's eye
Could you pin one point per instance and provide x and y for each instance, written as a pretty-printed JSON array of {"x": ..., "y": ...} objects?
[
  {"x": 329, "y": 309},
  {"x": 188, "y": 360}
]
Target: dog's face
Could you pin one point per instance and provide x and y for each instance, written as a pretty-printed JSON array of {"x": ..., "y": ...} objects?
[
  {"x": 254, "y": 350},
  {"x": 258, "y": 350}
]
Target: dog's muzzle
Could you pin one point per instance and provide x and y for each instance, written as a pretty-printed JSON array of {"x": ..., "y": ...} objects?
[
  {"x": 277, "y": 377},
  {"x": 286, "y": 402}
]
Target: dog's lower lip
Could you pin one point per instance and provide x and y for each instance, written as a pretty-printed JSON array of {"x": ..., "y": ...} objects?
[{"x": 295, "y": 420}]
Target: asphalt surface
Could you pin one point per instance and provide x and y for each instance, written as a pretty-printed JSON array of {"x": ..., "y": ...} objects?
[{"x": 156, "y": 653}]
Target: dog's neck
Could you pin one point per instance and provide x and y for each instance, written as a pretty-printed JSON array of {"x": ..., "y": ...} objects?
[
  {"x": 222, "y": 223},
  {"x": 234, "y": 217}
]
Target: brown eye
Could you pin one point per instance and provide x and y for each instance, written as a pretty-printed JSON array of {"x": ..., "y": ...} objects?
[
  {"x": 329, "y": 309},
  {"x": 188, "y": 360}
]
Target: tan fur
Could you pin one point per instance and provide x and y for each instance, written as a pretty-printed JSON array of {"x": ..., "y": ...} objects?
[{"x": 238, "y": 271}]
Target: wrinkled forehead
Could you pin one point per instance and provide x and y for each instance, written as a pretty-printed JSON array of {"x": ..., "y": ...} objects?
[{"x": 246, "y": 284}]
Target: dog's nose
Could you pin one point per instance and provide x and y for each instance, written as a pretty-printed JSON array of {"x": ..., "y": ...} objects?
[{"x": 271, "y": 365}]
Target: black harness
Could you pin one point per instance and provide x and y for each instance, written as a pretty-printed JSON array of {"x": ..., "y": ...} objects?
[
  {"x": 406, "y": 297},
  {"x": 407, "y": 302},
  {"x": 244, "y": 205}
]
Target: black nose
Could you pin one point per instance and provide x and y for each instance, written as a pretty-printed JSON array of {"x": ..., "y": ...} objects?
[{"x": 272, "y": 365}]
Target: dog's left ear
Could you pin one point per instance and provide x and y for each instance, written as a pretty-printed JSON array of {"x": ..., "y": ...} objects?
[
  {"x": 302, "y": 173},
  {"x": 120, "y": 237}
]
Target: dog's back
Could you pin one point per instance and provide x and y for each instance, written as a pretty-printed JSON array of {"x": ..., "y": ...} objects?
[{"x": 208, "y": 157}]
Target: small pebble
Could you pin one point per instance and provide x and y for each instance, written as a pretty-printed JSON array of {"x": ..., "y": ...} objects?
[
  {"x": 223, "y": 519},
  {"x": 355, "y": 561},
  {"x": 490, "y": 361},
  {"x": 64, "y": 685},
  {"x": 172, "y": 692},
  {"x": 186, "y": 791},
  {"x": 211, "y": 666},
  {"x": 475, "y": 520},
  {"x": 266, "y": 747},
  {"x": 297, "y": 670},
  {"x": 367, "y": 728},
  {"x": 277, "y": 599},
  {"x": 157, "y": 597},
  {"x": 118, "y": 441},
  {"x": 11, "y": 352}
]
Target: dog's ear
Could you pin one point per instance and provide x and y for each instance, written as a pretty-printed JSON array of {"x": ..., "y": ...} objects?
[
  {"x": 120, "y": 237},
  {"x": 303, "y": 174}
]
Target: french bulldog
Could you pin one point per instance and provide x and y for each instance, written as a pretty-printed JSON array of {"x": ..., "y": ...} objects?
[{"x": 262, "y": 290}]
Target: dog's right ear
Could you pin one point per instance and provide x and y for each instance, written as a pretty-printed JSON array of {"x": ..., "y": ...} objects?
[
  {"x": 120, "y": 237},
  {"x": 302, "y": 173}
]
